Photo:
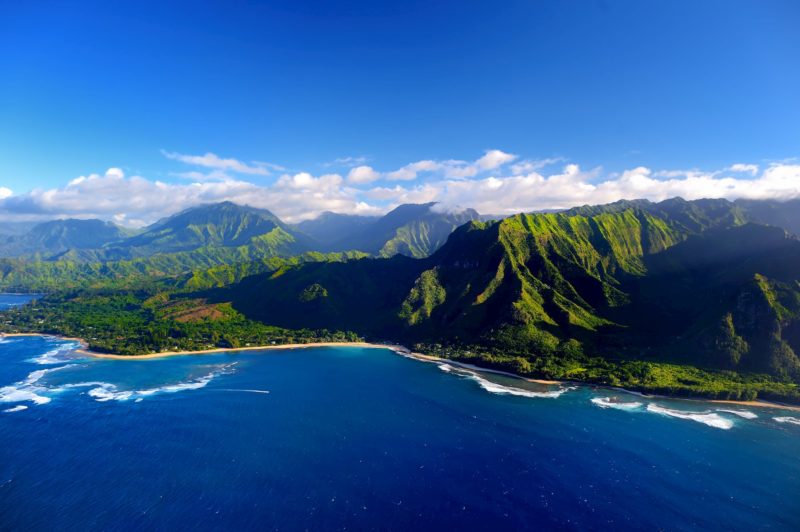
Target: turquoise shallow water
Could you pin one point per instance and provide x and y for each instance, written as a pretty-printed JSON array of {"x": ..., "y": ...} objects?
[{"x": 332, "y": 438}]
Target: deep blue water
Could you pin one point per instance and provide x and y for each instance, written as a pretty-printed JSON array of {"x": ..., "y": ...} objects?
[{"x": 366, "y": 439}]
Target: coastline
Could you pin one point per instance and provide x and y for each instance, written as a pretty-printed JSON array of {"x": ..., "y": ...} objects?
[
  {"x": 402, "y": 351},
  {"x": 277, "y": 347}
]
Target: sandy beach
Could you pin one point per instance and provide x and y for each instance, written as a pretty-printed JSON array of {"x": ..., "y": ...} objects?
[{"x": 164, "y": 354}]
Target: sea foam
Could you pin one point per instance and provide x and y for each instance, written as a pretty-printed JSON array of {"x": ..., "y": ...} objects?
[
  {"x": 787, "y": 419},
  {"x": 500, "y": 389},
  {"x": 707, "y": 418},
  {"x": 28, "y": 389},
  {"x": 55, "y": 356},
  {"x": 746, "y": 414},
  {"x": 110, "y": 392},
  {"x": 15, "y": 408},
  {"x": 605, "y": 402}
]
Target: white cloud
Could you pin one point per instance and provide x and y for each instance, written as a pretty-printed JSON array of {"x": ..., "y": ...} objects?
[
  {"x": 494, "y": 159},
  {"x": 751, "y": 169},
  {"x": 292, "y": 197},
  {"x": 411, "y": 171},
  {"x": 210, "y": 160},
  {"x": 363, "y": 174},
  {"x": 136, "y": 200}
]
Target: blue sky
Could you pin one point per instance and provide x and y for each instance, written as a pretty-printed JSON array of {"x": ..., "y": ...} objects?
[{"x": 611, "y": 86}]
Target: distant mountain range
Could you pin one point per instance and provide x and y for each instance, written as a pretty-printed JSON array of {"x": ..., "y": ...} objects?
[
  {"x": 48, "y": 240},
  {"x": 413, "y": 230}
]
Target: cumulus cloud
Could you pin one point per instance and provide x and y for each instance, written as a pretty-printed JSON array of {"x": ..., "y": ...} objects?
[
  {"x": 572, "y": 187},
  {"x": 210, "y": 160},
  {"x": 113, "y": 196},
  {"x": 524, "y": 186},
  {"x": 363, "y": 174}
]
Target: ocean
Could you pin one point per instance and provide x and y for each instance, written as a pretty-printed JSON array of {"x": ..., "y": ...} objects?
[{"x": 354, "y": 438}]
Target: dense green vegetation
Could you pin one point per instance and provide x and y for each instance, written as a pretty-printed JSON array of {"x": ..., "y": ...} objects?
[
  {"x": 140, "y": 322},
  {"x": 196, "y": 269}
]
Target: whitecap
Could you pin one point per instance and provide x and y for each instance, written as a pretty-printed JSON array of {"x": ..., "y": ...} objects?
[
  {"x": 107, "y": 392},
  {"x": 55, "y": 356},
  {"x": 606, "y": 402},
  {"x": 28, "y": 389},
  {"x": 746, "y": 414},
  {"x": 247, "y": 390},
  {"x": 15, "y": 409},
  {"x": 446, "y": 368},
  {"x": 707, "y": 418},
  {"x": 787, "y": 419},
  {"x": 493, "y": 387}
]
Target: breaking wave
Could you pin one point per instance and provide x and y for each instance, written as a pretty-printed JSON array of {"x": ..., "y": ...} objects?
[
  {"x": 787, "y": 419},
  {"x": 56, "y": 356},
  {"x": 606, "y": 402},
  {"x": 500, "y": 389},
  {"x": 15, "y": 408},
  {"x": 28, "y": 389},
  {"x": 105, "y": 391},
  {"x": 707, "y": 418},
  {"x": 746, "y": 414}
]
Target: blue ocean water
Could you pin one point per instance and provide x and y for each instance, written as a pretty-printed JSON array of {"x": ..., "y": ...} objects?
[{"x": 333, "y": 438}]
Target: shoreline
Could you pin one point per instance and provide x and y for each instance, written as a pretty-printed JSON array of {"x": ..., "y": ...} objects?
[
  {"x": 276, "y": 347},
  {"x": 402, "y": 351}
]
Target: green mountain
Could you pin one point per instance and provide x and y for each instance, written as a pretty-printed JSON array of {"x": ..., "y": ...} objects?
[
  {"x": 217, "y": 231},
  {"x": 686, "y": 282},
  {"x": 218, "y": 225},
  {"x": 48, "y": 240}
]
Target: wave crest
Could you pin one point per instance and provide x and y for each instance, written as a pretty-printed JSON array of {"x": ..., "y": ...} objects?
[
  {"x": 110, "y": 392},
  {"x": 500, "y": 389},
  {"x": 707, "y": 418},
  {"x": 746, "y": 414},
  {"x": 56, "y": 356},
  {"x": 606, "y": 402}
]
